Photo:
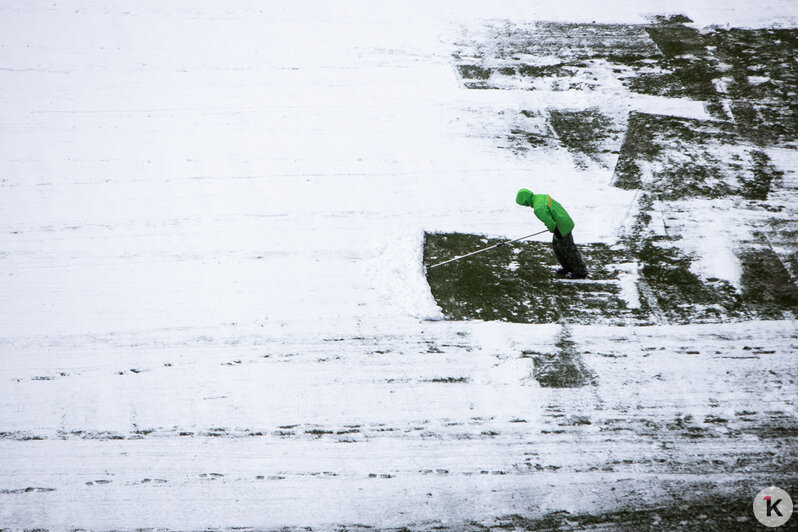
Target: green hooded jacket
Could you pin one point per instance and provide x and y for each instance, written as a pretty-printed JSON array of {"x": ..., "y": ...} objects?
[{"x": 547, "y": 210}]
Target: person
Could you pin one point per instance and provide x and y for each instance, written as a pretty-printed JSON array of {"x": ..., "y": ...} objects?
[{"x": 558, "y": 222}]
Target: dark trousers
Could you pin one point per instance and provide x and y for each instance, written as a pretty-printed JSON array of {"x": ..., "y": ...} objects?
[{"x": 568, "y": 254}]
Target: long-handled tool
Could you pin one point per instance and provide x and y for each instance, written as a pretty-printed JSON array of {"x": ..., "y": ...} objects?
[{"x": 486, "y": 249}]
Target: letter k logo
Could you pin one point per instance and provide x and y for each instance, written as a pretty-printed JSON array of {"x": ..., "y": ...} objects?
[{"x": 772, "y": 507}]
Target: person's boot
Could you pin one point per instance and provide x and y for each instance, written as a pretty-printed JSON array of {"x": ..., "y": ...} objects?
[
  {"x": 562, "y": 272},
  {"x": 572, "y": 275}
]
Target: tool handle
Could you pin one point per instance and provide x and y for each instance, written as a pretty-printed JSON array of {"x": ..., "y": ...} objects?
[{"x": 485, "y": 249}]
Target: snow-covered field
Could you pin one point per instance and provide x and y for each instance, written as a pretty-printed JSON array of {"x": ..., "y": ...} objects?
[{"x": 214, "y": 312}]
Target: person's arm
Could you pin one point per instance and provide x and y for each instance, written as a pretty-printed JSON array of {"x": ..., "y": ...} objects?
[{"x": 542, "y": 212}]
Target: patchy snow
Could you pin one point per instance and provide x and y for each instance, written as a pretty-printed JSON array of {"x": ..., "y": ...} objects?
[
  {"x": 758, "y": 80},
  {"x": 710, "y": 234},
  {"x": 627, "y": 278}
]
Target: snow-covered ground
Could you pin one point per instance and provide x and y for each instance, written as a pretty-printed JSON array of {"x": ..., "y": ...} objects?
[{"x": 213, "y": 310}]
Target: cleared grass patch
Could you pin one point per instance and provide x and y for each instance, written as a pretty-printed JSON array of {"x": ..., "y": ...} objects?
[
  {"x": 517, "y": 282},
  {"x": 677, "y": 158}
]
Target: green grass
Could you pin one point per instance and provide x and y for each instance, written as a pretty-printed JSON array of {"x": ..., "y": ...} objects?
[
  {"x": 766, "y": 283},
  {"x": 581, "y": 131},
  {"x": 563, "y": 369},
  {"x": 690, "y": 158},
  {"x": 681, "y": 296},
  {"x": 474, "y": 72},
  {"x": 517, "y": 283}
]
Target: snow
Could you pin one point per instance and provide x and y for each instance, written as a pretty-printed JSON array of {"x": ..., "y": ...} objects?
[
  {"x": 214, "y": 311},
  {"x": 627, "y": 278},
  {"x": 758, "y": 80},
  {"x": 398, "y": 274},
  {"x": 716, "y": 228}
]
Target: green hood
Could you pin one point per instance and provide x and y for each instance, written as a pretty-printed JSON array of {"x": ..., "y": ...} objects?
[{"x": 524, "y": 197}]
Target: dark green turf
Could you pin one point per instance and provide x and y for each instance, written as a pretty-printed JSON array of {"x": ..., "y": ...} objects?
[
  {"x": 517, "y": 283},
  {"x": 690, "y": 158},
  {"x": 767, "y": 284},
  {"x": 486, "y": 287},
  {"x": 679, "y": 295},
  {"x": 563, "y": 369},
  {"x": 581, "y": 131}
]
